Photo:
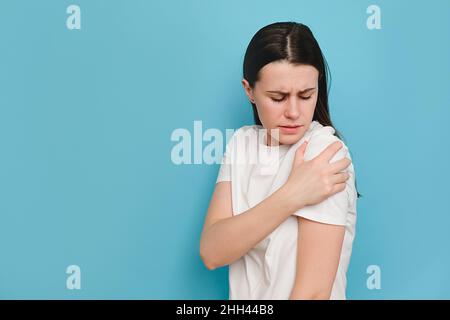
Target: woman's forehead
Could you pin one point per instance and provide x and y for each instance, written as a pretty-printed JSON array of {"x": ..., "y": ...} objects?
[{"x": 285, "y": 76}]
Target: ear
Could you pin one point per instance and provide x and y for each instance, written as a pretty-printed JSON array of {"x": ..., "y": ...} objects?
[{"x": 248, "y": 90}]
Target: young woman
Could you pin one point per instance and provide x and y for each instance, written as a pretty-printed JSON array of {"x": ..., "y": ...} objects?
[{"x": 285, "y": 226}]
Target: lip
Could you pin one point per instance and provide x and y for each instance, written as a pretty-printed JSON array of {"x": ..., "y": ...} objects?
[{"x": 290, "y": 128}]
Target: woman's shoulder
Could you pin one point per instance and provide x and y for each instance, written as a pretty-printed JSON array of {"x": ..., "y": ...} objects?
[{"x": 319, "y": 137}]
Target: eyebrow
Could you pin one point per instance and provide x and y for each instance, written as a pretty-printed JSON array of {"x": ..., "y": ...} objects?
[{"x": 285, "y": 93}]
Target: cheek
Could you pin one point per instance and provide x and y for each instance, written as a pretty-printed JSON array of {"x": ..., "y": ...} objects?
[
  {"x": 269, "y": 110},
  {"x": 310, "y": 105}
]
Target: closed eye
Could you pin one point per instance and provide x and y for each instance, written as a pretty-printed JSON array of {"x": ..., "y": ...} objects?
[{"x": 279, "y": 100}]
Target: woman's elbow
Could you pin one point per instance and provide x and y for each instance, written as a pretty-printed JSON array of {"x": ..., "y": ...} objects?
[
  {"x": 206, "y": 258},
  {"x": 208, "y": 264}
]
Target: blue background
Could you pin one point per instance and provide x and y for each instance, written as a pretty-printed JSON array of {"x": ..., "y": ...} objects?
[{"x": 86, "y": 117}]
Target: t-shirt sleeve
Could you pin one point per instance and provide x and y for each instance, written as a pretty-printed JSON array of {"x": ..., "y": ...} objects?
[
  {"x": 225, "y": 166},
  {"x": 224, "y": 171},
  {"x": 332, "y": 210}
]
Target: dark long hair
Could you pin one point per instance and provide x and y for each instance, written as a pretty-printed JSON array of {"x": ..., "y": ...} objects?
[{"x": 295, "y": 43}]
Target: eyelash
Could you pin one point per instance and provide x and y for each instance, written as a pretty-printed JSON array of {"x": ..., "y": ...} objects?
[{"x": 279, "y": 100}]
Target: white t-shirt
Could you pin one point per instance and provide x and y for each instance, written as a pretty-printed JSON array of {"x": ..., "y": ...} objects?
[{"x": 256, "y": 170}]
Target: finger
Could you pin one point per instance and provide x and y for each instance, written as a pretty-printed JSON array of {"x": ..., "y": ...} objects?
[
  {"x": 339, "y": 165},
  {"x": 330, "y": 151},
  {"x": 300, "y": 152},
  {"x": 341, "y": 177},
  {"x": 338, "y": 187}
]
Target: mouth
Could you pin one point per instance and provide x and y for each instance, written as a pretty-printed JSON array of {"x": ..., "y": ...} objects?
[{"x": 290, "y": 128}]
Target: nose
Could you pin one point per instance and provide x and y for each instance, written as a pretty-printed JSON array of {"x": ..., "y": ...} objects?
[{"x": 292, "y": 108}]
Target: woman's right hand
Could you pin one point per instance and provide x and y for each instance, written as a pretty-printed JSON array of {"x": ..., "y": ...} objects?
[{"x": 311, "y": 182}]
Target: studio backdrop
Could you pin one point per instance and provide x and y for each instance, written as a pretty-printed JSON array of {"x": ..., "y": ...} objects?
[{"x": 96, "y": 97}]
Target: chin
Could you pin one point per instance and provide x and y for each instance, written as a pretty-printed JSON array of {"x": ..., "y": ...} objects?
[{"x": 290, "y": 139}]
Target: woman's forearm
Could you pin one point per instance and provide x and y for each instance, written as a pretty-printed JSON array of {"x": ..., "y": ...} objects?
[
  {"x": 298, "y": 294},
  {"x": 229, "y": 239},
  {"x": 309, "y": 296}
]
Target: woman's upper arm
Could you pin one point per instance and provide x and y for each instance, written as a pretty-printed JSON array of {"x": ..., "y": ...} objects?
[
  {"x": 318, "y": 252},
  {"x": 220, "y": 206}
]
